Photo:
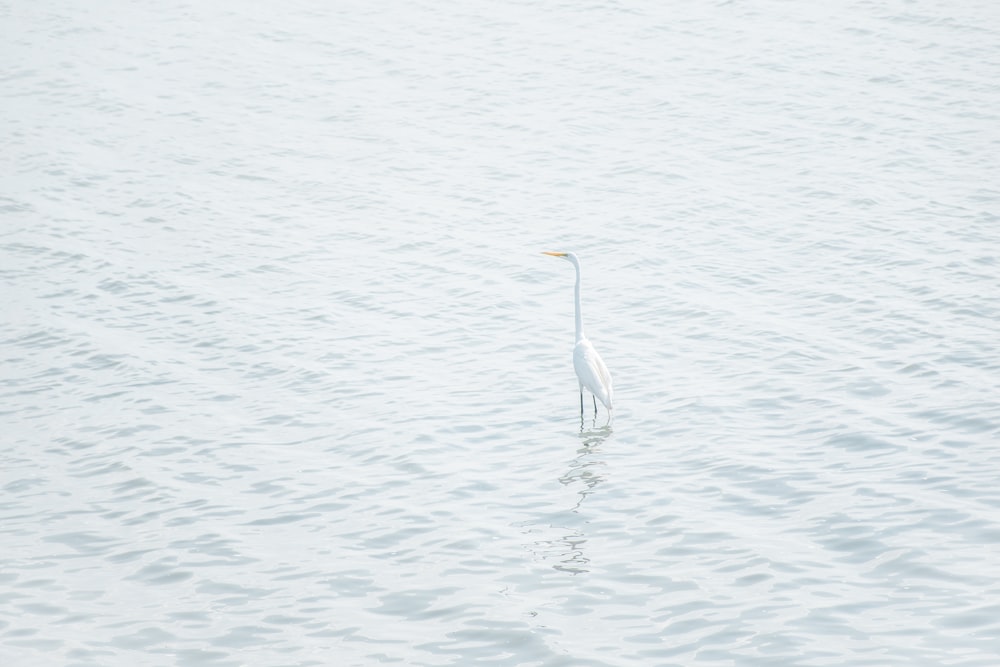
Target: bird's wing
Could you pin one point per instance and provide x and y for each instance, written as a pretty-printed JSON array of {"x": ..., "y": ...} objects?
[
  {"x": 603, "y": 372},
  {"x": 592, "y": 372}
]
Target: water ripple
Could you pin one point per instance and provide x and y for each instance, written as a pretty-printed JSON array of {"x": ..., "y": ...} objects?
[{"x": 284, "y": 373}]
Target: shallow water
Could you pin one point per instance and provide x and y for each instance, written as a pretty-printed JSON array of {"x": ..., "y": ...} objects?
[{"x": 287, "y": 381}]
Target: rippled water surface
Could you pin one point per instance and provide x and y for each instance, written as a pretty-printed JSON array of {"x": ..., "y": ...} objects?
[{"x": 286, "y": 379}]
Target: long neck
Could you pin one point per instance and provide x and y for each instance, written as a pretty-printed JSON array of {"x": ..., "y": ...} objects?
[{"x": 579, "y": 315}]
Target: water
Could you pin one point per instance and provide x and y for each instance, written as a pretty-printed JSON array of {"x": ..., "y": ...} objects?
[{"x": 287, "y": 381}]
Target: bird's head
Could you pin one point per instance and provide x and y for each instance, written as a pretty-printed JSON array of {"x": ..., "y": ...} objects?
[{"x": 565, "y": 255}]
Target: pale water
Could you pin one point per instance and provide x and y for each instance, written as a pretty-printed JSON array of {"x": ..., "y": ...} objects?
[{"x": 286, "y": 379}]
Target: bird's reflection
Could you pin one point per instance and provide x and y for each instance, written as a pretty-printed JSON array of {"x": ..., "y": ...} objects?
[
  {"x": 566, "y": 527},
  {"x": 569, "y": 552},
  {"x": 586, "y": 471},
  {"x": 594, "y": 428},
  {"x": 586, "y": 468},
  {"x": 594, "y": 436}
]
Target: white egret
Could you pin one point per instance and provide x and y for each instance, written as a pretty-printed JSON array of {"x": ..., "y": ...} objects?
[{"x": 590, "y": 368}]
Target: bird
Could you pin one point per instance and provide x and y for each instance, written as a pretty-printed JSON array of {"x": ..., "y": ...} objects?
[{"x": 590, "y": 369}]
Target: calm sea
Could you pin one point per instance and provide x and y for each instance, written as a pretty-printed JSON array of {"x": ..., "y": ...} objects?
[{"x": 286, "y": 380}]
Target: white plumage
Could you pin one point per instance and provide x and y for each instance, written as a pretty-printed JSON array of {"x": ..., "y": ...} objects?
[{"x": 590, "y": 369}]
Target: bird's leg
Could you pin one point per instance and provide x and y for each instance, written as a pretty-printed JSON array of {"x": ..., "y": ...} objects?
[
  {"x": 581, "y": 402},
  {"x": 595, "y": 406}
]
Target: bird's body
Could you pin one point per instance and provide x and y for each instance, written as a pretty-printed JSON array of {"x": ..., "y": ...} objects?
[
  {"x": 592, "y": 372},
  {"x": 590, "y": 369}
]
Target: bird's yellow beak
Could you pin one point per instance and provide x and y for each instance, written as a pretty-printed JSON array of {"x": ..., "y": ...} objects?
[{"x": 555, "y": 254}]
